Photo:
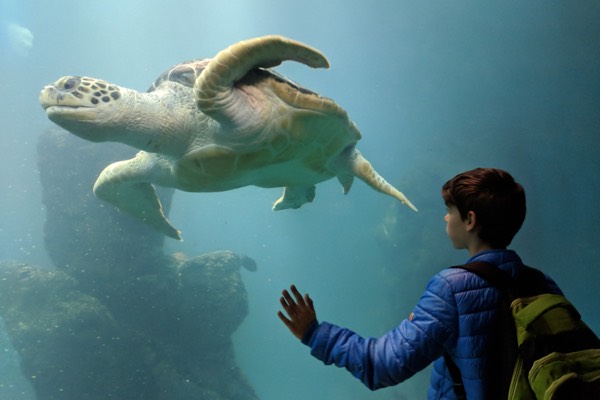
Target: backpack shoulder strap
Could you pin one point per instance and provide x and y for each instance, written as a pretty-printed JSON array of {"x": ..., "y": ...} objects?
[
  {"x": 458, "y": 387},
  {"x": 489, "y": 272},
  {"x": 529, "y": 282},
  {"x": 508, "y": 286}
]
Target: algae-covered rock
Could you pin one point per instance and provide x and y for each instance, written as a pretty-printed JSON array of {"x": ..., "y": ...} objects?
[
  {"x": 165, "y": 341},
  {"x": 185, "y": 297},
  {"x": 69, "y": 343},
  {"x": 186, "y": 312},
  {"x": 212, "y": 283}
]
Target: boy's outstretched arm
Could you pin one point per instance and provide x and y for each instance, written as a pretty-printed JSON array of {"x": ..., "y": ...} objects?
[{"x": 300, "y": 312}]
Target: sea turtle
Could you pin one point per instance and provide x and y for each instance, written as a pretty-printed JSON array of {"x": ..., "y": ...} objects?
[{"x": 216, "y": 124}]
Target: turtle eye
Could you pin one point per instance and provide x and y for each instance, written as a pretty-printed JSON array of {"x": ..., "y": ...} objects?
[{"x": 71, "y": 83}]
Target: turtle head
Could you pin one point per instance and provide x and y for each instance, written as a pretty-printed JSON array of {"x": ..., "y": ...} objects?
[{"x": 82, "y": 105}]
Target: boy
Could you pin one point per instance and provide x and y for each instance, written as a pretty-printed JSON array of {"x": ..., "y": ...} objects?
[{"x": 459, "y": 313}]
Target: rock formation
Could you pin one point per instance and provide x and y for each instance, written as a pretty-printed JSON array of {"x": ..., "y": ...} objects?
[{"x": 117, "y": 318}]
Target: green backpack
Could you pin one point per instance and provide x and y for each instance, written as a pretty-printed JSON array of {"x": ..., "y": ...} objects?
[{"x": 554, "y": 355}]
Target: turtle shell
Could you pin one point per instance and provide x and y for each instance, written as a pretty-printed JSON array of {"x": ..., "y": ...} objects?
[{"x": 185, "y": 73}]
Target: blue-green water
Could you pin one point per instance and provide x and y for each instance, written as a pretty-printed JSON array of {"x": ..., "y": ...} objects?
[{"x": 436, "y": 88}]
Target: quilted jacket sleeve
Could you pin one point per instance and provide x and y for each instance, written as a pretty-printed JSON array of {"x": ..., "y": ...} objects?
[{"x": 399, "y": 353}]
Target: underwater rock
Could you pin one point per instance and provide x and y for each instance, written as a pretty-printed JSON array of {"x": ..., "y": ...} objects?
[
  {"x": 212, "y": 284},
  {"x": 168, "y": 341},
  {"x": 208, "y": 305},
  {"x": 184, "y": 315},
  {"x": 69, "y": 344},
  {"x": 198, "y": 301}
]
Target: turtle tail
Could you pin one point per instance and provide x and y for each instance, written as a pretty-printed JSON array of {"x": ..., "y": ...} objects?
[
  {"x": 365, "y": 171},
  {"x": 213, "y": 88}
]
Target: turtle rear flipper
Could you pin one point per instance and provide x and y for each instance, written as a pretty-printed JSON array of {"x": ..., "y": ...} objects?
[
  {"x": 125, "y": 185},
  {"x": 352, "y": 160},
  {"x": 294, "y": 197}
]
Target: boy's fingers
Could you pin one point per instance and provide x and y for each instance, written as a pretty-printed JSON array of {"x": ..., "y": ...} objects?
[
  {"x": 288, "y": 298},
  {"x": 284, "y": 319},
  {"x": 297, "y": 294},
  {"x": 309, "y": 301},
  {"x": 290, "y": 309},
  {"x": 284, "y": 303}
]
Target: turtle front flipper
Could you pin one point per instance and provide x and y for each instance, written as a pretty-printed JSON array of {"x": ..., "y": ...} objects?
[
  {"x": 214, "y": 87},
  {"x": 125, "y": 184},
  {"x": 294, "y": 197}
]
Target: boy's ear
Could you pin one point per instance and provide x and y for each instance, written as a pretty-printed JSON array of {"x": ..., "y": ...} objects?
[{"x": 471, "y": 220}]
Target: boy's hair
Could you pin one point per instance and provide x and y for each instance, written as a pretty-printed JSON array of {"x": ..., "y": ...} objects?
[{"x": 497, "y": 200}]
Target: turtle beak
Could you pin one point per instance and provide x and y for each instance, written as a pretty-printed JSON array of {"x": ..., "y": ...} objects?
[
  {"x": 63, "y": 113},
  {"x": 60, "y": 105},
  {"x": 75, "y": 119}
]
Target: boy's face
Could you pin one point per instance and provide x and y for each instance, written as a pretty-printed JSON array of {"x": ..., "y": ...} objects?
[{"x": 456, "y": 228}]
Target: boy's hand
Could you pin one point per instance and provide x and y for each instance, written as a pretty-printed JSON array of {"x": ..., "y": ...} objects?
[{"x": 300, "y": 311}]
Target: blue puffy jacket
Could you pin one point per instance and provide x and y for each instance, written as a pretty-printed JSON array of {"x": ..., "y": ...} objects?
[{"x": 456, "y": 314}]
